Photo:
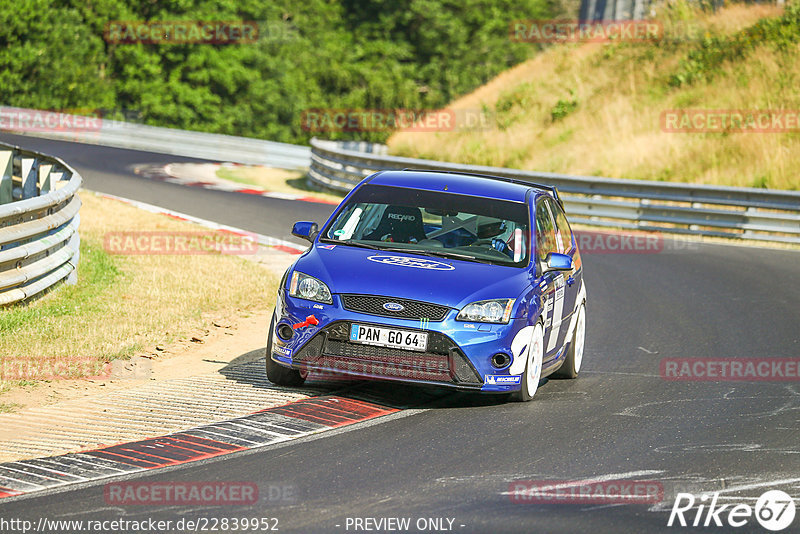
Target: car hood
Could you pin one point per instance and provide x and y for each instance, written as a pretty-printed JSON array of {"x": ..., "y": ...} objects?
[{"x": 450, "y": 282}]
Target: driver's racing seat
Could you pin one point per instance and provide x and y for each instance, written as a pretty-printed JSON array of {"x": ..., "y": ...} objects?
[{"x": 399, "y": 224}]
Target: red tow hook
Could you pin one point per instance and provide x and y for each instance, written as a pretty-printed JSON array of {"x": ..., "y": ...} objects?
[{"x": 310, "y": 321}]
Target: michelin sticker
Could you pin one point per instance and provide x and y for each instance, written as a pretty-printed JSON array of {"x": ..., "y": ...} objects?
[
  {"x": 502, "y": 379},
  {"x": 283, "y": 351}
]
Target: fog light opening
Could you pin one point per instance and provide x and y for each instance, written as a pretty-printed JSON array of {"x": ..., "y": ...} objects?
[
  {"x": 285, "y": 332},
  {"x": 500, "y": 360}
]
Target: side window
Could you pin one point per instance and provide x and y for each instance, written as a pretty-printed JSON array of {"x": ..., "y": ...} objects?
[
  {"x": 562, "y": 227},
  {"x": 545, "y": 232}
]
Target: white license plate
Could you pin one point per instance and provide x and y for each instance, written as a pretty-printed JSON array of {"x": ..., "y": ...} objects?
[{"x": 389, "y": 337}]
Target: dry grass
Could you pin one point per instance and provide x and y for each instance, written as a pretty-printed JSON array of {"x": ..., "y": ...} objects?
[
  {"x": 611, "y": 97},
  {"x": 124, "y": 304}
]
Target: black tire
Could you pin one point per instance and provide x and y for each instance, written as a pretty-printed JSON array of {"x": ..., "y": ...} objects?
[
  {"x": 276, "y": 373},
  {"x": 571, "y": 367}
]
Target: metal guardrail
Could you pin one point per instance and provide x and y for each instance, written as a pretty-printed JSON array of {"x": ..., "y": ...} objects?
[
  {"x": 735, "y": 212},
  {"x": 119, "y": 134},
  {"x": 39, "y": 241}
]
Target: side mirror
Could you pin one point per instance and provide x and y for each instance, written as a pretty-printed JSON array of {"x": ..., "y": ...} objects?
[
  {"x": 306, "y": 230},
  {"x": 557, "y": 262}
]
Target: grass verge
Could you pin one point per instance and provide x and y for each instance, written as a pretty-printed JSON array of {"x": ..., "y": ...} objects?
[{"x": 125, "y": 304}]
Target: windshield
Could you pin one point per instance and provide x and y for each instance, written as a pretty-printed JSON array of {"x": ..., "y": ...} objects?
[{"x": 434, "y": 223}]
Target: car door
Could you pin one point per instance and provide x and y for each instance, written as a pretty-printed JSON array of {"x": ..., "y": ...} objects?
[
  {"x": 550, "y": 284},
  {"x": 567, "y": 245}
]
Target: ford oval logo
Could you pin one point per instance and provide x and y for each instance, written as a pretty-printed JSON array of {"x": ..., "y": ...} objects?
[
  {"x": 393, "y": 307},
  {"x": 417, "y": 263}
]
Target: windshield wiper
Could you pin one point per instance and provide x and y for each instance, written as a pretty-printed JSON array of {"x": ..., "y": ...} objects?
[
  {"x": 466, "y": 257},
  {"x": 353, "y": 243}
]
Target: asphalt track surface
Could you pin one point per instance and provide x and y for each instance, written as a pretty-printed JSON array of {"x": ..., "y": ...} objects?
[
  {"x": 452, "y": 455},
  {"x": 110, "y": 170}
]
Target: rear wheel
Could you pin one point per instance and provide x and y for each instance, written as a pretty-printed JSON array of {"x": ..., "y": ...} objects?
[
  {"x": 276, "y": 373},
  {"x": 574, "y": 359},
  {"x": 533, "y": 366}
]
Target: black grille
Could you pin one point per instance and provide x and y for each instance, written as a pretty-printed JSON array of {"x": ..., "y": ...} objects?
[
  {"x": 442, "y": 362},
  {"x": 384, "y": 361},
  {"x": 422, "y": 360},
  {"x": 412, "y": 309}
]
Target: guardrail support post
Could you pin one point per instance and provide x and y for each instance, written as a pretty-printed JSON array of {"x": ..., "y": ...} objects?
[
  {"x": 44, "y": 177},
  {"x": 30, "y": 173},
  {"x": 74, "y": 244},
  {"x": 6, "y": 171},
  {"x": 747, "y": 233},
  {"x": 57, "y": 175}
]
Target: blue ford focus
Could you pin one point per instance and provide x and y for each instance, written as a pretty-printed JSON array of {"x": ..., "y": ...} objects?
[{"x": 450, "y": 279}]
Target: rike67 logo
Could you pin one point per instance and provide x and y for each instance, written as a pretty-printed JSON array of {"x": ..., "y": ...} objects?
[{"x": 774, "y": 511}]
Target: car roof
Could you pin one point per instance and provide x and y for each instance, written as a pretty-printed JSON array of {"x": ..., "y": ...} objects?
[{"x": 466, "y": 184}]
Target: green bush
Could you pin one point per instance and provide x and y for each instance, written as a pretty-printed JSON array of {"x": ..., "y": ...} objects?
[{"x": 563, "y": 108}]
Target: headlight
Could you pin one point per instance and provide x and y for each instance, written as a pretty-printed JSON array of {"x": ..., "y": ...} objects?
[
  {"x": 487, "y": 311},
  {"x": 309, "y": 288}
]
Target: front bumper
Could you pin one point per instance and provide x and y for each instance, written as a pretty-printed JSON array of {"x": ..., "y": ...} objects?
[{"x": 458, "y": 354}]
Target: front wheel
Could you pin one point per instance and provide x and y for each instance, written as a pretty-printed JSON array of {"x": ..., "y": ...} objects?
[
  {"x": 276, "y": 373},
  {"x": 574, "y": 357},
  {"x": 533, "y": 366}
]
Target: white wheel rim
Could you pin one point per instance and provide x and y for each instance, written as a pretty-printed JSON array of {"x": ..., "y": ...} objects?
[
  {"x": 535, "y": 355},
  {"x": 580, "y": 333}
]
